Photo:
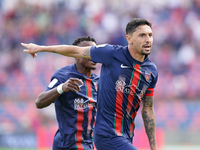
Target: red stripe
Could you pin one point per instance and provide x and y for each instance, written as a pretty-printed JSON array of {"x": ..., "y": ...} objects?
[
  {"x": 134, "y": 83},
  {"x": 118, "y": 107},
  {"x": 89, "y": 95},
  {"x": 89, "y": 87},
  {"x": 133, "y": 123},
  {"x": 80, "y": 118},
  {"x": 138, "y": 104},
  {"x": 119, "y": 113}
]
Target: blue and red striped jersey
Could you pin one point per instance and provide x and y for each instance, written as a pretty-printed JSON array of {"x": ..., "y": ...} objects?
[
  {"x": 122, "y": 85},
  {"x": 75, "y": 112}
]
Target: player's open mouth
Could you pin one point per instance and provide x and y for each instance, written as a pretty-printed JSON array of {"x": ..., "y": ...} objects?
[{"x": 147, "y": 47}]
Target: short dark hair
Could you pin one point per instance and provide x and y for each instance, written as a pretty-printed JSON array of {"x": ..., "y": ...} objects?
[
  {"x": 134, "y": 23},
  {"x": 84, "y": 38}
]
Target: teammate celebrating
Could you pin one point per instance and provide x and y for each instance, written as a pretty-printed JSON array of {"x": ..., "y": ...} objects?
[
  {"x": 127, "y": 77},
  {"x": 73, "y": 90}
]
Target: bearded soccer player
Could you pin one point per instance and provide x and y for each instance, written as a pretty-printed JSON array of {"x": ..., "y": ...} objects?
[
  {"x": 127, "y": 77},
  {"x": 73, "y": 91}
]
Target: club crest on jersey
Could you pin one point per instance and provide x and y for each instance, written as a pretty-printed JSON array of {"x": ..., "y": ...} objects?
[{"x": 147, "y": 75}]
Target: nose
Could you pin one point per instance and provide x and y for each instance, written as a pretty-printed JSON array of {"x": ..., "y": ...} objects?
[{"x": 149, "y": 39}]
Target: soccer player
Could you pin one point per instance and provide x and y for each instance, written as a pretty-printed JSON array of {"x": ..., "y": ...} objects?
[
  {"x": 73, "y": 91},
  {"x": 127, "y": 77}
]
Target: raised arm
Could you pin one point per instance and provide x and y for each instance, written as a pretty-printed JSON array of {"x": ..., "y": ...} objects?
[
  {"x": 149, "y": 120},
  {"x": 66, "y": 50}
]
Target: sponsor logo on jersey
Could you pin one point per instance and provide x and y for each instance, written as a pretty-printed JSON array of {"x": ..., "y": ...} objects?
[
  {"x": 122, "y": 87},
  {"x": 123, "y": 66},
  {"x": 79, "y": 103},
  {"x": 127, "y": 89}
]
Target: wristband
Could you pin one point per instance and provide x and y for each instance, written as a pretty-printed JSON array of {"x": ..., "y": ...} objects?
[{"x": 59, "y": 89}]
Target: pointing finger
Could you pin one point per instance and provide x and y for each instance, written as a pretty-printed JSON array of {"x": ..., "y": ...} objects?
[{"x": 23, "y": 44}]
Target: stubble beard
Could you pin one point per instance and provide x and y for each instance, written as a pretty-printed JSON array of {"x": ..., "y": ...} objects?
[{"x": 145, "y": 53}]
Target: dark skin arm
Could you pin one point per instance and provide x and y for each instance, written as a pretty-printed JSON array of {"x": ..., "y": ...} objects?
[
  {"x": 44, "y": 99},
  {"x": 149, "y": 120}
]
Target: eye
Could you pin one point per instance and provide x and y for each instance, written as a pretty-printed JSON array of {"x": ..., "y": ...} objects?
[
  {"x": 150, "y": 35},
  {"x": 141, "y": 35}
]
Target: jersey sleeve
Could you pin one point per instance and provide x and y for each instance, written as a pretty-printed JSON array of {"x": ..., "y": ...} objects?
[
  {"x": 150, "y": 90},
  {"x": 102, "y": 53},
  {"x": 55, "y": 81}
]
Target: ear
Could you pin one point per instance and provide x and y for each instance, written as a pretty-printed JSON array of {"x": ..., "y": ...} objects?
[{"x": 128, "y": 38}]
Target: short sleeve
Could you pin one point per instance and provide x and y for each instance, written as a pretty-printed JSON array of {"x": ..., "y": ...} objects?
[
  {"x": 150, "y": 90},
  {"x": 155, "y": 79},
  {"x": 102, "y": 53},
  {"x": 56, "y": 79}
]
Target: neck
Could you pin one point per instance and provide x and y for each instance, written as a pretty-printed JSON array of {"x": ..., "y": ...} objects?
[
  {"x": 136, "y": 55},
  {"x": 86, "y": 71}
]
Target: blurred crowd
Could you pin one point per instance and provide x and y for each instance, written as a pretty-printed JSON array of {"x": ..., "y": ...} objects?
[{"x": 176, "y": 48}]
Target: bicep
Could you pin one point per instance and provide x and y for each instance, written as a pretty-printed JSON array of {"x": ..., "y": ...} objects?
[{"x": 83, "y": 52}]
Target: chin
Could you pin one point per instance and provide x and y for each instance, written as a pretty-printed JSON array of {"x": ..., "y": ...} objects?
[
  {"x": 146, "y": 53},
  {"x": 93, "y": 68}
]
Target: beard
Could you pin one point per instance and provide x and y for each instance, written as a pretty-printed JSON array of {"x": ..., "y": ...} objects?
[{"x": 145, "y": 53}]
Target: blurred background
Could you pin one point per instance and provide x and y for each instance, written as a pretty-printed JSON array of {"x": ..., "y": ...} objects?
[{"x": 176, "y": 52}]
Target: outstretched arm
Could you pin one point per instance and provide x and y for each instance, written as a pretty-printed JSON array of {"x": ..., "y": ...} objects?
[
  {"x": 66, "y": 50},
  {"x": 149, "y": 120},
  {"x": 46, "y": 98}
]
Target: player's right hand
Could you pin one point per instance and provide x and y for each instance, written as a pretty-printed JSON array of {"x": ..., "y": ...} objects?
[
  {"x": 72, "y": 85},
  {"x": 32, "y": 49}
]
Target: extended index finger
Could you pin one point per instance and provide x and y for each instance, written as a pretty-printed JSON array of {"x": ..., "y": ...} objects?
[{"x": 25, "y": 45}]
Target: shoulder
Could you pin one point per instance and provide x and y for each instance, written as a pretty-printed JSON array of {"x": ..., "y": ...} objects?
[
  {"x": 107, "y": 47},
  {"x": 153, "y": 67},
  {"x": 150, "y": 65}
]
